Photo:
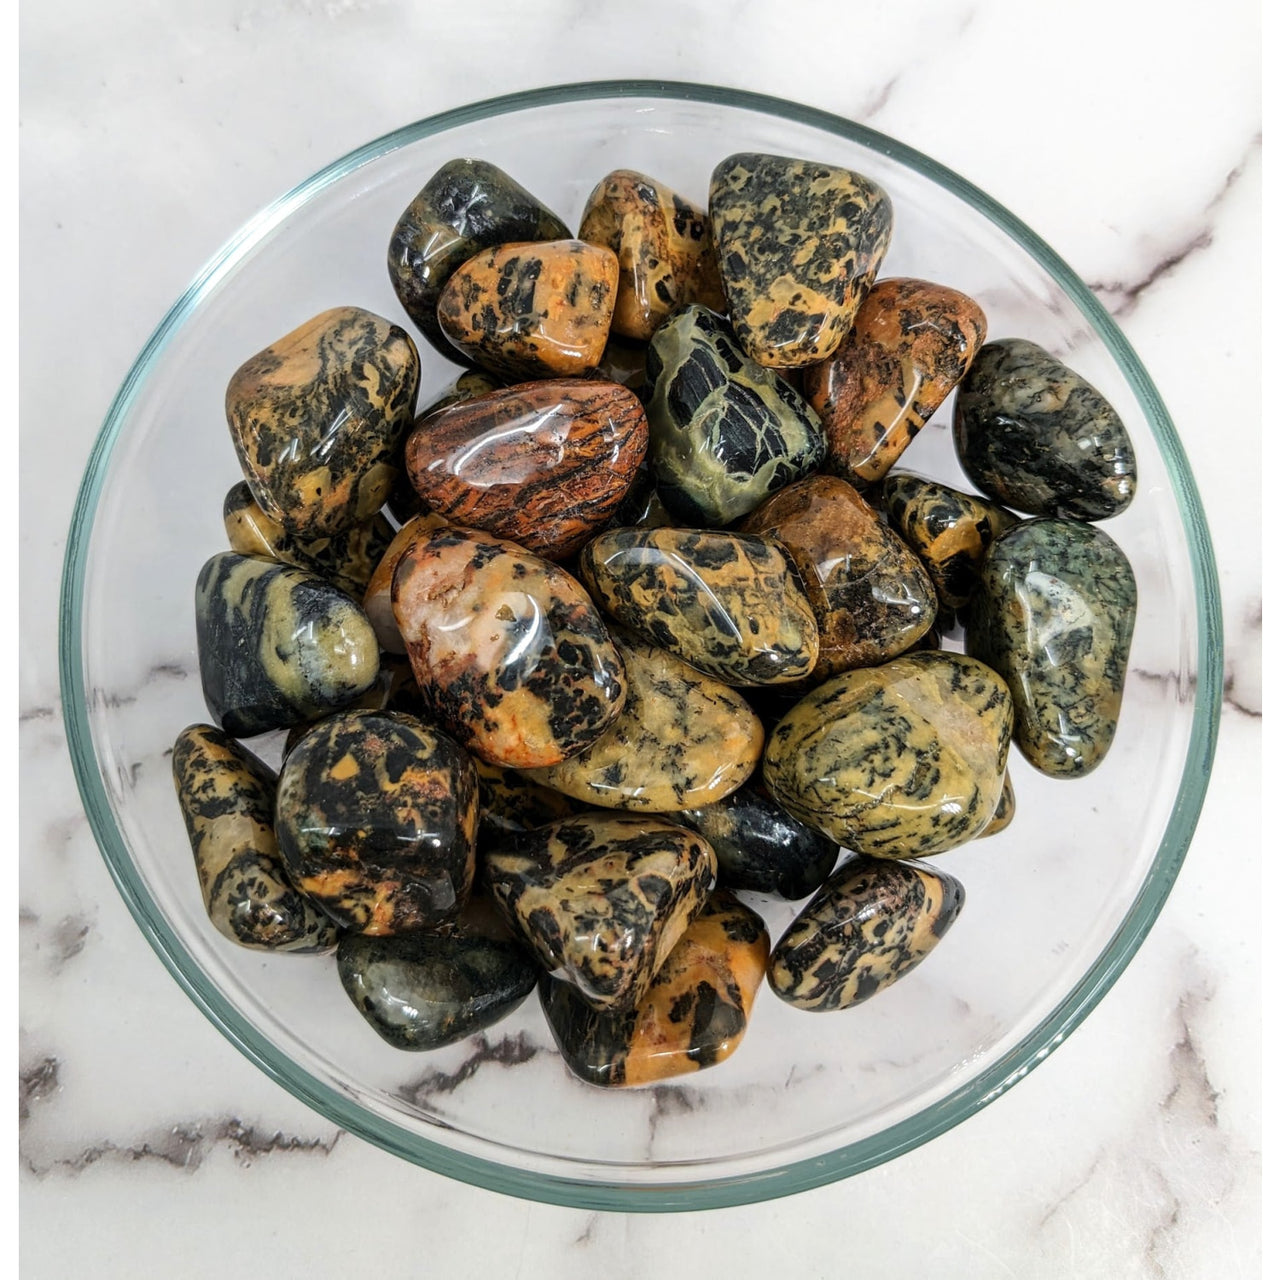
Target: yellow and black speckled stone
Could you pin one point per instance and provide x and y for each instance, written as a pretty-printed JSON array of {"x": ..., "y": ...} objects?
[
  {"x": 911, "y": 343},
  {"x": 376, "y": 814},
  {"x": 870, "y": 595},
  {"x": 693, "y": 1015},
  {"x": 602, "y": 900},
  {"x": 1005, "y": 810},
  {"x": 1054, "y": 615},
  {"x": 724, "y": 432},
  {"x": 799, "y": 245},
  {"x": 377, "y": 593},
  {"x": 682, "y": 740},
  {"x": 319, "y": 418},
  {"x": 466, "y": 206},
  {"x": 666, "y": 259},
  {"x": 512, "y": 657},
  {"x": 511, "y": 801},
  {"x": 227, "y": 798},
  {"x": 950, "y": 531},
  {"x": 278, "y": 646},
  {"x": 900, "y": 761},
  {"x": 1035, "y": 436},
  {"x": 728, "y": 604},
  {"x": 868, "y": 926},
  {"x": 538, "y": 310}
]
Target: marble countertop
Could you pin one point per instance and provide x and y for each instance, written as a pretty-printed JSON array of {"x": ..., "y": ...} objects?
[{"x": 148, "y": 135}]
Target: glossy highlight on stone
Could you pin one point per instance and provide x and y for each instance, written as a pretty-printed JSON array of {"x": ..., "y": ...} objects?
[
  {"x": 693, "y": 1015},
  {"x": 911, "y": 343},
  {"x": 1035, "y": 436},
  {"x": 544, "y": 464},
  {"x": 900, "y": 761},
  {"x": 666, "y": 259},
  {"x": 799, "y": 244},
  {"x": 466, "y": 206},
  {"x": 871, "y": 924},
  {"x": 277, "y": 646},
  {"x": 535, "y": 310},
  {"x": 376, "y": 815},
  {"x": 682, "y": 740},
  {"x": 512, "y": 657},
  {"x": 727, "y": 604},
  {"x": 1054, "y": 615},
  {"x": 602, "y": 900},
  {"x": 318, "y": 419},
  {"x": 227, "y": 797},
  {"x": 870, "y": 595},
  {"x": 724, "y": 431}
]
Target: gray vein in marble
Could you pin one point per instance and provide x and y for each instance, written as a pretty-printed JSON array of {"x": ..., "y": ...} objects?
[
  {"x": 27, "y": 916},
  {"x": 510, "y": 1051},
  {"x": 168, "y": 669},
  {"x": 35, "y": 1083},
  {"x": 1159, "y": 1237},
  {"x": 588, "y": 1233},
  {"x": 670, "y": 1100},
  {"x": 1239, "y": 672},
  {"x": 35, "y": 713}
]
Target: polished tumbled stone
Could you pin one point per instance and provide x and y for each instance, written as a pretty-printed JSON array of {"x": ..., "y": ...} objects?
[
  {"x": 377, "y": 593},
  {"x": 799, "y": 245},
  {"x": 1035, "y": 436},
  {"x": 1054, "y": 615},
  {"x": 870, "y": 924},
  {"x": 227, "y": 797},
  {"x": 725, "y": 432}
]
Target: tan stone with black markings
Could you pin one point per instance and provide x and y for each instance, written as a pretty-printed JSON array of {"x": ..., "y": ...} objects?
[
  {"x": 902, "y": 760},
  {"x": 869, "y": 925},
  {"x": 693, "y": 1015},
  {"x": 511, "y": 655},
  {"x": 682, "y": 740},
  {"x": 537, "y": 310},
  {"x": 727, "y": 604},
  {"x": 666, "y": 258},
  {"x": 318, "y": 419},
  {"x": 602, "y": 900},
  {"x": 227, "y": 797},
  {"x": 376, "y": 814}
]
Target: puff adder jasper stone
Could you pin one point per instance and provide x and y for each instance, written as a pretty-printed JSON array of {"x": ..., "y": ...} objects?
[
  {"x": 870, "y": 595},
  {"x": 1034, "y": 435},
  {"x": 602, "y": 900},
  {"x": 376, "y": 814},
  {"x": 227, "y": 798},
  {"x": 900, "y": 761},
  {"x": 693, "y": 1015},
  {"x": 512, "y": 657},
  {"x": 726, "y": 603},
  {"x": 544, "y": 464},
  {"x": 870, "y": 924},
  {"x": 682, "y": 740},
  {"x": 1054, "y": 615},
  {"x": 911, "y": 343},
  {"x": 319, "y": 417},
  {"x": 532, "y": 310},
  {"x": 725, "y": 432},
  {"x": 466, "y": 206},
  {"x": 277, "y": 646},
  {"x": 799, "y": 245},
  {"x": 663, "y": 246}
]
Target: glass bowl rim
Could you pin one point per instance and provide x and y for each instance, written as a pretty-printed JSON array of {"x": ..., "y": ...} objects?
[{"x": 722, "y": 1191}]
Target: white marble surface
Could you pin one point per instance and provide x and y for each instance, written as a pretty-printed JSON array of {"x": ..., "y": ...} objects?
[{"x": 149, "y": 132}]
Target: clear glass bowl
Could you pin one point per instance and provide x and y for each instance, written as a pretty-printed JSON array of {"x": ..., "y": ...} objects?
[{"x": 1057, "y": 904}]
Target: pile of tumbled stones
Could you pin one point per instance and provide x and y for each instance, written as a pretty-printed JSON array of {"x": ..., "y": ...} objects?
[{"x": 659, "y": 622}]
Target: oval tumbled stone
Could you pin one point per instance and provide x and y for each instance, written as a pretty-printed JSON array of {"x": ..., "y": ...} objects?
[
  {"x": 319, "y": 417},
  {"x": 277, "y": 646},
  {"x": 1054, "y": 615},
  {"x": 682, "y": 740},
  {"x": 227, "y": 797},
  {"x": 727, "y": 604},
  {"x": 869, "y": 925},
  {"x": 1036, "y": 436},
  {"x": 724, "y": 431},
  {"x": 544, "y": 464},
  {"x": 512, "y": 657},
  {"x": 900, "y": 761},
  {"x": 602, "y": 900},
  {"x": 376, "y": 815}
]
